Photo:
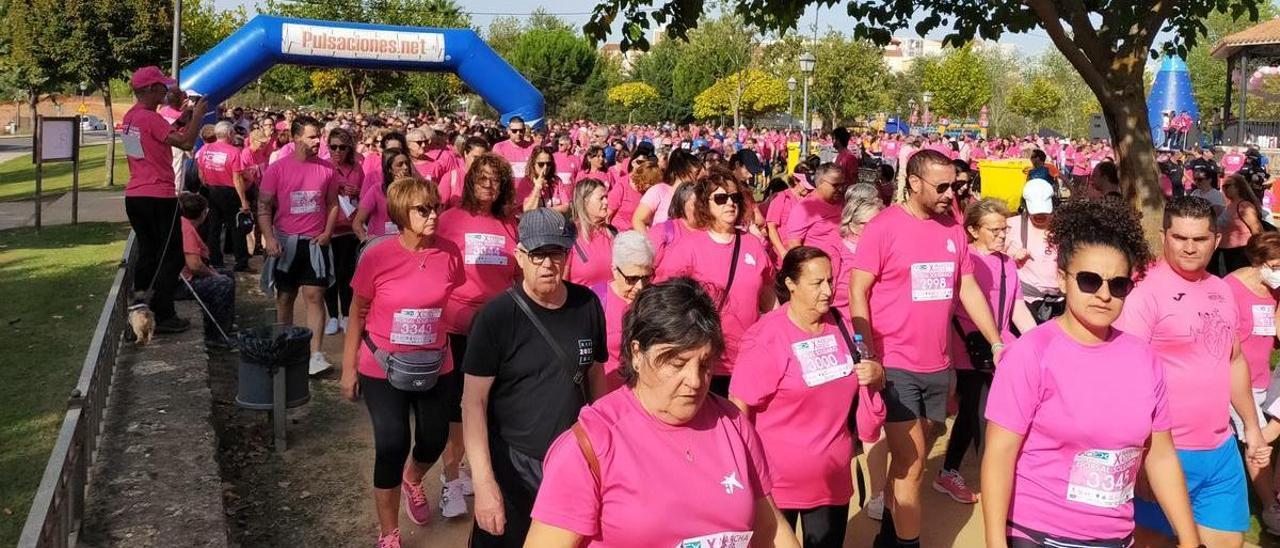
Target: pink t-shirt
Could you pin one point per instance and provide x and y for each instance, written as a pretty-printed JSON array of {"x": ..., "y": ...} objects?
[
  {"x": 488, "y": 259},
  {"x": 1192, "y": 327},
  {"x": 658, "y": 200},
  {"x": 349, "y": 176},
  {"x": 560, "y": 194},
  {"x": 252, "y": 163},
  {"x": 842, "y": 269},
  {"x": 706, "y": 260},
  {"x": 800, "y": 387},
  {"x": 614, "y": 309},
  {"x": 848, "y": 164},
  {"x": 1041, "y": 269},
  {"x": 1256, "y": 330},
  {"x": 1073, "y": 478},
  {"x": 372, "y": 166},
  {"x": 715, "y": 460},
  {"x": 664, "y": 234},
  {"x": 407, "y": 291},
  {"x": 1232, "y": 162},
  {"x": 602, "y": 176},
  {"x": 143, "y": 133},
  {"x": 302, "y": 189},
  {"x": 778, "y": 209},
  {"x": 374, "y": 201},
  {"x": 815, "y": 222},
  {"x": 439, "y": 161},
  {"x": 889, "y": 149},
  {"x": 567, "y": 166},
  {"x": 518, "y": 156},
  {"x": 623, "y": 199},
  {"x": 987, "y": 270},
  {"x": 591, "y": 259},
  {"x": 192, "y": 244},
  {"x": 217, "y": 162},
  {"x": 917, "y": 265}
]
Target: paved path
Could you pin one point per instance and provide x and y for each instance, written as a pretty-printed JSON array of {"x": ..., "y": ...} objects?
[
  {"x": 95, "y": 206},
  {"x": 12, "y": 147}
]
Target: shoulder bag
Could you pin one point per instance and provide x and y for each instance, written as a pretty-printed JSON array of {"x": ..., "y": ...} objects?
[
  {"x": 975, "y": 345},
  {"x": 733, "y": 270},
  {"x": 575, "y": 374}
]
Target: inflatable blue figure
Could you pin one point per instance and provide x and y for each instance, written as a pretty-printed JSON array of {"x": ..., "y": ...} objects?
[{"x": 1171, "y": 107}]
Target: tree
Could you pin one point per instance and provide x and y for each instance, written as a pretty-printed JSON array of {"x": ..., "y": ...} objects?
[
  {"x": 1106, "y": 41},
  {"x": 959, "y": 83},
  {"x": 657, "y": 68},
  {"x": 1078, "y": 101},
  {"x": 1005, "y": 71},
  {"x": 1209, "y": 75},
  {"x": 834, "y": 93},
  {"x": 556, "y": 61},
  {"x": 204, "y": 26},
  {"x": 633, "y": 96},
  {"x": 750, "y": 92},
  {"x": 719, "y": 48},
  {"x": 1037, "y": 100}
]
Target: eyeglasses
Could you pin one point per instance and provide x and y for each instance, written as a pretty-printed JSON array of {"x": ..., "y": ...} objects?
[
  {"x": 419, "y": 143},
  {"x": 722, "y": 199},
  {"x": 1091, "y": 282},
  {"x": 425, "y": 210},
  {"x": 540, "y": 256},
  {"x": 339, "y": 148},
  {"x": 486, "y": 182},
  {"x": 633, "y": 280},
  {"x": 997, "y": 231}
]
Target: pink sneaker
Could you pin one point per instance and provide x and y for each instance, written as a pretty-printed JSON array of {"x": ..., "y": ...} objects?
[
  {"x": 951, "y": 483},
  {"x": 390, "y": 540},
  {"x": 415, "y": 502}
]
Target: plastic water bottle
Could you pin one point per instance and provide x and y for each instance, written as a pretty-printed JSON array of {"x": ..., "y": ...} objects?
[{"x": 859, "y": 348}]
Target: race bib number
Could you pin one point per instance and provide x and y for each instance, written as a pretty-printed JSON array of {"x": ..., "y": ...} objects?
[
  {"x": 132, "y": 138},
  {"x": 390, "y": 227},
  {"x": 1104, "y": 478},
  {"x": 564, "y": 176},
  {"x": 415, "y": 326},
  {"x": 728, "y": 539},
  {"x": 932, "y": 281},
  {"x": 215, "y": 161},
  {"x": 487, "y": 249},
  {"x": 302, "y": 202},
  {"x": 1264, "y": 320},
  {"x": 517, "y": 169},
  {"x": 821, "y": 361}
]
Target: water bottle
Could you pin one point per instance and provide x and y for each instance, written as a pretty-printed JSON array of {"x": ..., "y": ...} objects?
[{"x": 860, "y": 349}]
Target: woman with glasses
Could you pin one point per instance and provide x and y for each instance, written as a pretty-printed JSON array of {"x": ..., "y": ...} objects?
[
  {"x": 402, "y": 285},
  {"x": 589, "y": 260},
  {"x": 1050, "y": 475},
  {"x": 733, "y": 263},
  {"x": 371, "y": 219},
  {"x": 345, "y": 243},
  {"x": 542, "y": 187},
  {"x": 594, "y": 166},
  {"x": 633, "y": 261}
]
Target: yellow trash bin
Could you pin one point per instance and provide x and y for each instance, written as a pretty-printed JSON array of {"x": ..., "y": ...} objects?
[{"x": 1003, "y": 179}]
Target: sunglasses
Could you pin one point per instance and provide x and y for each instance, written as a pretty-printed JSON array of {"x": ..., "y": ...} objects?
[
  {"x": 722, "y": 199},
  {"x": 419, "y": 143},
  {"x": 542, "y": 164},
  {"x": 1091, "y": 282},
  {"x": 633, "y": 280},
  {"x": 516, "y": 130},
  {"x": 942, "y": 188},
  {"x": 339, "y": 147},
  {"x": 425, "y": 210}
]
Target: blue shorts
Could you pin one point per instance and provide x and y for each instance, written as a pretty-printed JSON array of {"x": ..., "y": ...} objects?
[{"x": 1218, "y": 490}]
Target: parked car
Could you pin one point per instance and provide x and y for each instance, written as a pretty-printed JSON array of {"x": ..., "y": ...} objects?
[{"x": 92, "y": 123}]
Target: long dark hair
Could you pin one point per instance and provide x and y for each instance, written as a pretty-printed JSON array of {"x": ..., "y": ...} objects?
[
  {"x": 389, "y": 158},
  {"x": 586, "y": 158}
]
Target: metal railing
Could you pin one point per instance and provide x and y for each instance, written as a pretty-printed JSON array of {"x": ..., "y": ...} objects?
[{"x": 56, "y": 512}]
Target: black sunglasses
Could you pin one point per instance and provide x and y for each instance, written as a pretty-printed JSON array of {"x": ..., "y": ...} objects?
[
  {"x": 543, "y": 164},
  {"x": 722, "y": 199},
  {"x": 339, "y": 147},
  {"x": 419, "y": 143},
  {"x": 633, "y": 280},
  {"x": 1091, "y": 282},
  {"x": 425, "y": 210},
  {"x": 516, "y": 130}
]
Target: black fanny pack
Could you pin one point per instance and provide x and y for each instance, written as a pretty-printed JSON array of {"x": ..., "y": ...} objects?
[{"x": 413, "y": 371}]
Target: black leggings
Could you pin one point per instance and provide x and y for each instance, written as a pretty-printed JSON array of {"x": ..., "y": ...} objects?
[
  {"x": 344, "y": 268},
  {"x": 221, "y": 231},
  {"x": 970, "y": 426},
  {"x": 390, "y": 410},
  {"x": 158, "y": 235},
  {"x": 824, "y": 526}
]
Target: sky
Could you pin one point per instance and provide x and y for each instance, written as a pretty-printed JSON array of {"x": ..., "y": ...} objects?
[{"x": 578, "y": 12}]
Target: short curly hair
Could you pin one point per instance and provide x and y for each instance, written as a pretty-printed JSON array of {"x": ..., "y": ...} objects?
[{"x": 1111, "y": 223}]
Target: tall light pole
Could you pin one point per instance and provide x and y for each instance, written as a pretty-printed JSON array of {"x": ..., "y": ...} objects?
[
  {"x": 927, "y": 97},
  {"x": 177, "y": 37},
  {"x": 807, "y": 61},
  {"x": 791, "y": 101}
]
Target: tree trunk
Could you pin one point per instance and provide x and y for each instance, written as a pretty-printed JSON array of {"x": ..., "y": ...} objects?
[
  {"x": 111, "y": 133},
  {"x": 1125, "y": 111},
  {"x": 34, "y": 95}
]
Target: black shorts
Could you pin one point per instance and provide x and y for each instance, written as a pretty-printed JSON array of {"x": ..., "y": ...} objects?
[
  {"x": 910, "y": 396},
  {"x": 300, "y": 271}
]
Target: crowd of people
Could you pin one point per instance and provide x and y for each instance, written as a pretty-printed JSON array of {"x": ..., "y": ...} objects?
[{"x": 647, "y": 336}]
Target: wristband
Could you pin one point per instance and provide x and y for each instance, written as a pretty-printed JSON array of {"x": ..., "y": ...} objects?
[{"x": 997, "y": 346}]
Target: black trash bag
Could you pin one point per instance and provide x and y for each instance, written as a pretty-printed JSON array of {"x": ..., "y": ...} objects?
[{"x": 275, "y": 346}]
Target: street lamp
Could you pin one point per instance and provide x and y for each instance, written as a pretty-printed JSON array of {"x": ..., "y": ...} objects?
[
  {"x": 791, "y": 101},
  {"x": 807, "y": 61},
  {"x": 927, "y": 97}
]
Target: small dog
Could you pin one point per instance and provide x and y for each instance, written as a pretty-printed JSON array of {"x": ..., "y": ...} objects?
[{"x": 143, "y": 322}]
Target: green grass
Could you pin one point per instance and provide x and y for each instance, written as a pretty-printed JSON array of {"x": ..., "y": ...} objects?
[
  {"x": 52, "y": 288},
  {"x": 18, "y": 175}
]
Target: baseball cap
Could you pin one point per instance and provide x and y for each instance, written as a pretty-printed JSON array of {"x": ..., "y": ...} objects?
[
  {"x": 1037, "y": 194},
  {"x": 546, "y": 227},
  {"x": 149, "y": 76},
  {"x": 282, "y": 126},
  {"x": 804, "y": 181}
]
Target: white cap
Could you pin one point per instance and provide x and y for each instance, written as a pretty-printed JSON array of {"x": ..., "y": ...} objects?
[{"x": 1037, "y": 194}]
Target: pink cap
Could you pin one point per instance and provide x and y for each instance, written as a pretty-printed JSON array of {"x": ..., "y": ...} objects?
[
  {"x": 282, "y": 126},
  {"x": 804, "y": 181},
  {"x": 149, "y": 76}
]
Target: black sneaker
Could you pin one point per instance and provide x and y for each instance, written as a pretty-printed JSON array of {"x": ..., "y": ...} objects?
[{"x": 173, "y": 325}]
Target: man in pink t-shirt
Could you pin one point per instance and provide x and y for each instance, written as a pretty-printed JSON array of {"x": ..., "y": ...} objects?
[
  {"x": 815, "y": 219},
  {"x": 1189, "y": 318},
  {"x": 846, "y": 160},
  {"x": 221, "y": 171},
  {"x": 298, "y": 209},
  {"x": 517, "y": 148},
  {"x": 911, "y": 269},
  {"x": 149, "y": 198}
]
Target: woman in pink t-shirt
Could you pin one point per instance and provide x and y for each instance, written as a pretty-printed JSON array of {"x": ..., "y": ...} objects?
[
  {"x": 601, "y": 478},
  {"x": 542, "y": 187},
  {"x": 345, "y": 243},
  {"x": 1078, "y": 409},
  {"x": 216, "y": 290},
  {"x": 682, "y": 168},
  {"x": 627, "y": 191},
  {"x": 665, "y": 234},
  {"x": 371, "y": 219},
  {"x": 795, "y": 378},
  {"x": 593, "y": 167},
  {"x": 777, "y": 209},
  {"x": 590, "y": 260},
  {"x": 632, "y": 271},
  {"x": 401, "y": 286},
  {"x": 1240, "y": 219}
]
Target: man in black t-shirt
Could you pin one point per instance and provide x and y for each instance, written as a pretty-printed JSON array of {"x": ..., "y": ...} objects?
[{"x": 521, "y": 389}]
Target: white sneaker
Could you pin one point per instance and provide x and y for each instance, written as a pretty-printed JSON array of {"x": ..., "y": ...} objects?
[
  {"x": 331, "y": 326},
  {"x": 464, "y": 479},
  {"x": 343, "y": 324},
  {"x": 875, "y": 507},
  {"x": 319, "y": 364},
  {"x": 452, "y": 502},
  {"x": 1270, "y": 518}
]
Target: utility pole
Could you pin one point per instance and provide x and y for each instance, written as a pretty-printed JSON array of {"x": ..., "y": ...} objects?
[{"x": 177, "y": 37}]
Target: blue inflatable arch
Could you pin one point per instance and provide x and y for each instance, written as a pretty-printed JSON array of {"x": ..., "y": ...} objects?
[{"x": 267, "y": 41}]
